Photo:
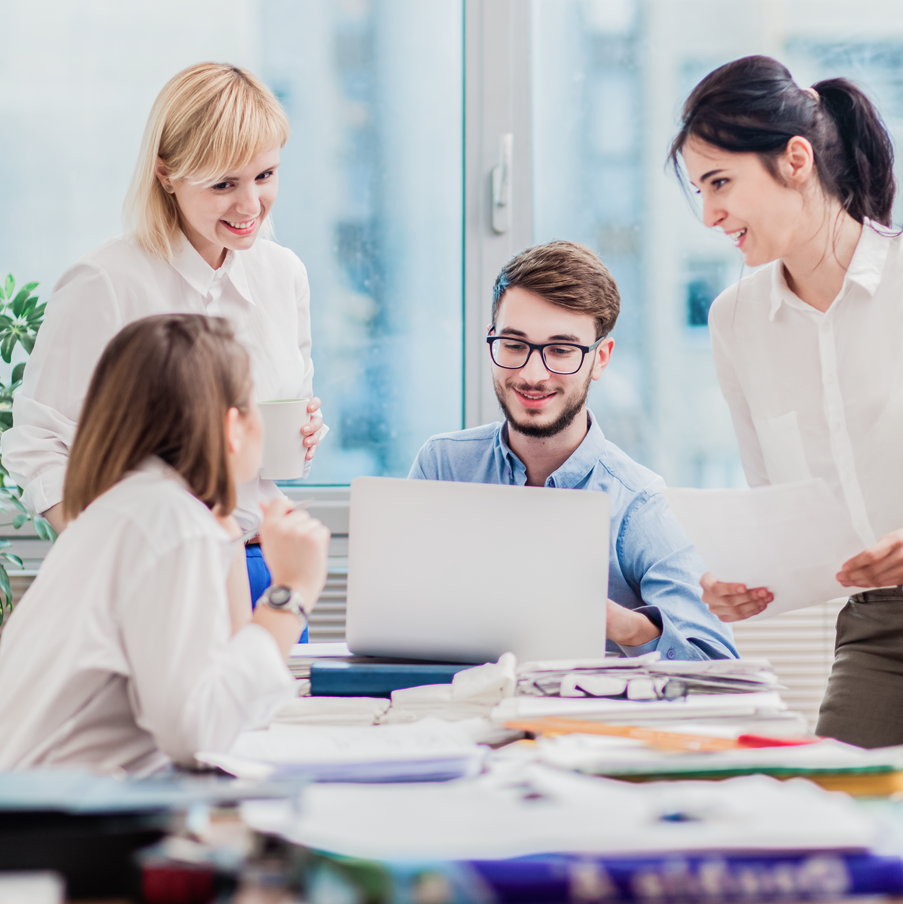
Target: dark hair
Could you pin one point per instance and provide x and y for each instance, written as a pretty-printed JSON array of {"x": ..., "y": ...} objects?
[
  {"x": 752, "y": 105},
  {"x": 565, "y": 274},
  {"x": 162, "y": 387}
]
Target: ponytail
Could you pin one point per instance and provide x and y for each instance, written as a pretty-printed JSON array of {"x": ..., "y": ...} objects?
[
  {"x": 752, "y": 105},
  {"x": 861, "y": 164}
]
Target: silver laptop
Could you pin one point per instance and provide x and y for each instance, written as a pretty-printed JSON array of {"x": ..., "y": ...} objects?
[{"x": 466, "y": 571}]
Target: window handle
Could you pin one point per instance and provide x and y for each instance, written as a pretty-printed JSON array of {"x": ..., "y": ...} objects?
[{"x": 501, "y": 186}]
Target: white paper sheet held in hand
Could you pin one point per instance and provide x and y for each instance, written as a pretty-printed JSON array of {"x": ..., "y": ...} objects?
[{"x": 792, "y": 538}]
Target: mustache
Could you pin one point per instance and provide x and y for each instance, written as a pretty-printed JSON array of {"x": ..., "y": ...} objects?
[{"x": 536, "y": 387}]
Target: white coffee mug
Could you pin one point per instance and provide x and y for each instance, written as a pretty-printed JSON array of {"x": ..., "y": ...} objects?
[{"x": 284, "y": 452}]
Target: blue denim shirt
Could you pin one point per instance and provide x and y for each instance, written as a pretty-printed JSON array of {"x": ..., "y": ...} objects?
[{"x": 653, "y": 567}]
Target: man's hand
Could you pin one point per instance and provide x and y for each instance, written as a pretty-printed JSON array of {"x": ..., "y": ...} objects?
[
  {"x": 311, "y": 428},
  {"x": 295, "y": 548},
  {"x": 879, "y": 566},
  {"x": 733, "y": 602},
  {"x": 628, "y": 628}
]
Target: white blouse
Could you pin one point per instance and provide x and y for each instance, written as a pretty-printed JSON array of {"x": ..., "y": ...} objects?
[
  {"x": 263, "y": 292},
  {"x": 821, "y": 394},
  {"x": 120, "y": 655}
]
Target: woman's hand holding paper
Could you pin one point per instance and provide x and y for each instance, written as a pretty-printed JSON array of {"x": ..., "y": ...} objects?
[
  {"x": 879, "y": 566},
  {"x": 733, "y": 602}
]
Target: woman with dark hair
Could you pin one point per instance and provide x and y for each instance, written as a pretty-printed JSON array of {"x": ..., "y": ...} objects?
[
  {"x": 807, "y": 347},
  {"x": 122, "y": 655}
]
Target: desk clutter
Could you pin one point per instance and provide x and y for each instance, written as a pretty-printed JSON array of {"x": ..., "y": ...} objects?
[{"x": 595, "y": 780}]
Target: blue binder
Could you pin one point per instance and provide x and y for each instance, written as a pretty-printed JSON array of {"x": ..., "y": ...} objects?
[{"x": 376, "y": 679}]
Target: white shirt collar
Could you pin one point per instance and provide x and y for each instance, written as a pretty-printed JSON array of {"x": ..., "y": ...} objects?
[
  {"x": 200, "y": 275},
  {"x": 865, "y": 268}
]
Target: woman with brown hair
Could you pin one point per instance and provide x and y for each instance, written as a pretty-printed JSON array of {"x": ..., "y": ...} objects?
[
  {"x": 122, "y": 654},
  {"x": 198, "y": 214}
]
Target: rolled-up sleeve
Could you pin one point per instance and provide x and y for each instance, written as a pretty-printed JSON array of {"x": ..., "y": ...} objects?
[
  {"x": 192, "y": 684},
  {"x": 663, "y": 568}
]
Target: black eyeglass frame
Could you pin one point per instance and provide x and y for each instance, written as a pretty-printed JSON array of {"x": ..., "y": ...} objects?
[{"x": 541, "y": 348}]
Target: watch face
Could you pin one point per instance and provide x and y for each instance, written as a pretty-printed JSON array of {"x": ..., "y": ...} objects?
[{"x": 279, "y": 596}]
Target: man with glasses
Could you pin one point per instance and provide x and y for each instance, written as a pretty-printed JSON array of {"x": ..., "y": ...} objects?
[{"x": 553, "y": 309}]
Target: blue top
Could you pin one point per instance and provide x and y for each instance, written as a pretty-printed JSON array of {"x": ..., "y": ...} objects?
[{"x": 653, "y": 567}]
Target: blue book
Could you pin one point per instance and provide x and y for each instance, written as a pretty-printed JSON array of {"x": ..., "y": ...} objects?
[
  {"x": 675, "y": 878},
  {"x": 376, "y": 679}
]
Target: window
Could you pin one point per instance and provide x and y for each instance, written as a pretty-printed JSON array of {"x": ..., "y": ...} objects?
[{"x": 400, "y": 110}]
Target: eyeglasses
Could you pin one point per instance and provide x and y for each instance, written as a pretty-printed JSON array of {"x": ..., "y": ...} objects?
[{"x": 557, "y": 357}]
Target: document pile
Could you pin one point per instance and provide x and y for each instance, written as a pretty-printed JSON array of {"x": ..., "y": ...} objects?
[
  {"x": 430, "y": 750},
  {"x": 519, "y": 836},
  {"x": 528, "y": 810},
  {"x": 644, "y": 677}
]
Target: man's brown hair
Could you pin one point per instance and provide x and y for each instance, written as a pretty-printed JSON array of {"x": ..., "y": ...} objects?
[
  {"x": 162, "y": 387},
  {"x": 566, "y": 274}
]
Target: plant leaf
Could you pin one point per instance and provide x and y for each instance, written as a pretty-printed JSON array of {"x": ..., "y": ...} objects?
[
  {"x": 18, "y": 303},
  {"x": 12, "y": 558},
  {"x": 27, "y": 340},
  {"x": 44, "y": 529},
  {"x": 7, "y": 346},
  {"x": 5, "y": 543},
  {"x": 9, "y": 286},
  {"x": 19, "y": 520},
  {"x": 18, "y": 372},
  {"x": 5, "y": 588}
]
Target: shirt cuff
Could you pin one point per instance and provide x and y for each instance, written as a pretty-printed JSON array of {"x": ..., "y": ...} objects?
[
  {"x": 671, "y": 643},
  {"x": 259, "y": 662},
  {"x": 45, "y": 491}
]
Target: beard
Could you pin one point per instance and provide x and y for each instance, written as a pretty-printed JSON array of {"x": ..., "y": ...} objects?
[{"x": 574, "y": 404}]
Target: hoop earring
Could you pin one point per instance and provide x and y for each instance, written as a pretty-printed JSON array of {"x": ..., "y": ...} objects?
[{"x": 168, "y": 188}]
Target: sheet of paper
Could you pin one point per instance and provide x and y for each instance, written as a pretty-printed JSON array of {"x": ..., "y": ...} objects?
[
  {"x": 791, "y": 538},
  {"x": 706, "y": 706},
  {"x": 521, "y": 811},
  {"x": 428, "y": 749}
]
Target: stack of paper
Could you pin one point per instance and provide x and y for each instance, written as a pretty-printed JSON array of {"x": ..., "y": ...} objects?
[
  {"x": 828, "y": 762},
  {"x": 695, "y": 706},
  {"x": 430, "y": 750},
  {"x": 512, "y": 812},
  {"x": 644, "y": 678},
  {"x": 332, "y": 711}
]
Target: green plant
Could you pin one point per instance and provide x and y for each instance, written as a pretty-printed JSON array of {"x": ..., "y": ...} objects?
[{"x": 20, "y": 319}]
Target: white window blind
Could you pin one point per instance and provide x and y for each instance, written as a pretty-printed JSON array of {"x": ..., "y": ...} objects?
[{"x": 800, "y": 646}]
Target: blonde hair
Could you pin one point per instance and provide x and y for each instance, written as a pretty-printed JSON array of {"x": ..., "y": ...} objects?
[
  {"x": 209, "y": 119},
  {"x": 199, "y": 371}
]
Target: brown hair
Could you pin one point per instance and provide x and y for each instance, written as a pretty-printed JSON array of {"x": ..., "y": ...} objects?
[
  {"x": 209, "y": 119},
  {"x": 565, "y": 274},
  {"x": 162, "y": 387}
]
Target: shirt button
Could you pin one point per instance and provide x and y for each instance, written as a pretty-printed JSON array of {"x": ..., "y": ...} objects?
[
  {"x": 847, "y": 476},
  {"x": 835, "y": 427},
  {"x": 826, "y": 327},
  {"x": 829, "y": 378},
  {"x": 670, "y": 653}
]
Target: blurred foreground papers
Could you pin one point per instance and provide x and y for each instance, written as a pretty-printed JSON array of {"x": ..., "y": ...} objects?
[
  {"x": 429, "y": 750},
  {"x": 791, "y": 538},
  {"x": 514, "y": 812}
]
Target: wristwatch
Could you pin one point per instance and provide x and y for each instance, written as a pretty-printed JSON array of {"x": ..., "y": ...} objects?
[{"x": 283, "y": 599}]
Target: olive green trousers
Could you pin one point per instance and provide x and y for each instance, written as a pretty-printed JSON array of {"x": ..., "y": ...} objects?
[{"x": 863, "y": 703}]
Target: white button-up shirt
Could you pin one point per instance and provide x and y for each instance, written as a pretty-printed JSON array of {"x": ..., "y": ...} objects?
[
  {"x": 263, "y": 292},
  {"x": 121, "y": 653},
  {"x": 817, "y": 394}
]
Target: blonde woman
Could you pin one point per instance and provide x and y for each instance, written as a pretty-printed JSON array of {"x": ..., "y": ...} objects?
[
  {"x": 121, "y": 655},
  {"x": 205, "y": 183}
]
